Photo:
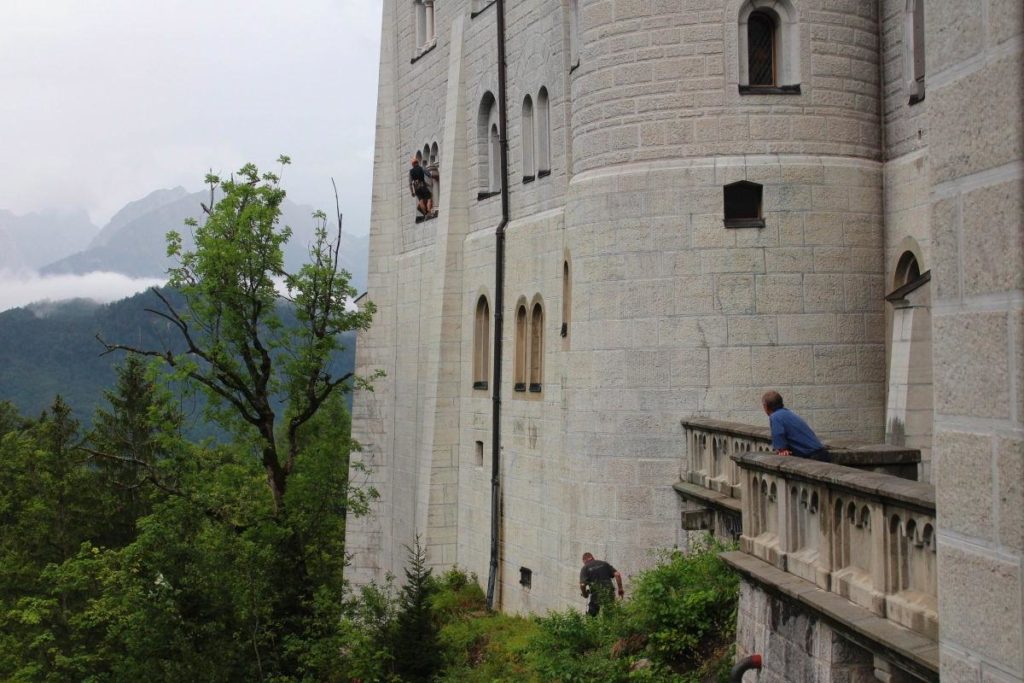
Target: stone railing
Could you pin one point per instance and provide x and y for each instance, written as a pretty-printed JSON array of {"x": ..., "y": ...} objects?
[
  {"x": 711, "y": 443},
  {"x": 867, "y": 536}
]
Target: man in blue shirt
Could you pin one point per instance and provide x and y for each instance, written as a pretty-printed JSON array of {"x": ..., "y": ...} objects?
[{"x": 790, "y": 434}]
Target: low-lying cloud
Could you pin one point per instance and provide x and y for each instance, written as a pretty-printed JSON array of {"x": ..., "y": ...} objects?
[{"x": 22, "y": 288}]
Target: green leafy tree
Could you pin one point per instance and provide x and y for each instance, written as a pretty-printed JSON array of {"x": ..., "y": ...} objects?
[{"x": 266, "y": 376}]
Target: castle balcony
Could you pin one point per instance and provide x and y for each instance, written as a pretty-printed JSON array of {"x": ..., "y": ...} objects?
[
  {"x": 852, "y": 548},
  {"x": 710, "y": 484}
]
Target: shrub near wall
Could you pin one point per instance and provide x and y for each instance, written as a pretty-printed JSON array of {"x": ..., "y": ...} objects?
[{"x": 678, "y": 625}]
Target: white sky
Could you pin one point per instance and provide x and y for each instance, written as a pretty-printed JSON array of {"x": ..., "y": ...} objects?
[{"x": 103, "y": 101}]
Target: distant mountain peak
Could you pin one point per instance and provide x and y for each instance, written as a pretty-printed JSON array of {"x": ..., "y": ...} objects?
[{"x": 133, "y": 210}]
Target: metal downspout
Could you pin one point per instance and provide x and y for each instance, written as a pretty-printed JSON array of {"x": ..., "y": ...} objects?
[{"x": 499, "y": 309}]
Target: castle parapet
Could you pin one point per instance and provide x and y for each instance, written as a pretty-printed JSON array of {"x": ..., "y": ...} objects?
[
  {"x": 711, "y": 483},
  {"x": 866, "y": 536}
]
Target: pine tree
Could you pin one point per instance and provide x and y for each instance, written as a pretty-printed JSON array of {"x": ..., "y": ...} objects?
[{"x": 415, "y": 648}]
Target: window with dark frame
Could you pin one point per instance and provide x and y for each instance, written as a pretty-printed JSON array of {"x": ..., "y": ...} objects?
[
  {"x": 536, "y": 348},
  {"x": 761, "y": 49},
  {"x": 481, "y": 343},
  {"x": 519, "y": 366},
  {"x": 743, "y": 205}
]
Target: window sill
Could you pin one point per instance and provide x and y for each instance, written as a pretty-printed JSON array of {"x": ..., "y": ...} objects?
[
  {"x": 914, "y": 99},
  {"x": 534, "y": 388},
  {"x": 528, "y": 179},
  {"x": 574, "y": 66},
  {"x": 482, "y": 386},
  {"x": 519, "y": 386},
  {"x": 423, "y": 51},
  {"x": 770, "y": 89},
  {"x": 429, "y": 217},
  {"x": 483, "y": 9},
  {"x": 743, "y": 222},
  {"x": 480, "y": 196},
  {"x": 544, "y": 174}
]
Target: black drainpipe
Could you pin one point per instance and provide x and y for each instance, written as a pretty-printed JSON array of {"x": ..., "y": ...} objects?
[{"x": 499, "y": 309}]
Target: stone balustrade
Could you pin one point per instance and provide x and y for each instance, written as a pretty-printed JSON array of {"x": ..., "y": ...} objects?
[{"x": 867, "y": 536}]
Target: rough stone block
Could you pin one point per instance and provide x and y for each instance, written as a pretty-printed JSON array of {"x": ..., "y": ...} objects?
[
  {"x": 1010, "y": 473},
  {"x": 1005, "y": 20},
  {"x": 753, "y": 330},
  {"x": 823, "y": 228},
  {"x": 730, "y": 366},
  {"x": 962, "y": 466},
  {"x": 971, "y": 357},
  {"x": 688, "y": 367},
  {"x": 977, "y": 117},
  {"x": 735, "y": 293},
  {"x": 993, "y": 239},
  {"x": 835, "y": 364},
  {"x": 779, "y": 293},
  {"x": 789, "y": 260},
  {"x": 958, "y": 669},
  {"x": 977, "y": 610},
  {"x": 823, "y": 293},
  {"x": 954, "y": 32},
  {"x": 784, "y": 365},
  {"x": 807, "y": 328}
]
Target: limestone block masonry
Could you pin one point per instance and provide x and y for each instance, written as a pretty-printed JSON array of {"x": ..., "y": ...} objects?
[{"x": 653, "y": 311}]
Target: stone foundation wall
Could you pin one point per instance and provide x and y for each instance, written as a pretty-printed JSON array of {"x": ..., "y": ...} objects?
[{"x": 796, "y": 647}]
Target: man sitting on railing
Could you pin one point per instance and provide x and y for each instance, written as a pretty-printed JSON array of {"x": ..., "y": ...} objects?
[{"x": 790, "y": 434}]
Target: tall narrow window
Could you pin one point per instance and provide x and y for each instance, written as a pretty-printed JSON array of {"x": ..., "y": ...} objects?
[
  {"x": 420, "y": 13},
  {"x": 488, "y": 152},
  {"x": 495, "y": 160},
  {"x": 433, "y": 153},
  {"x": 566, "y": 299},
  {"x": 768, "y": 42},
  {"x": 742, "y": 205},
  {"x": 761, "y": 49},
  {"x": 543, "y": 134},
  {"x": 481, "y": 343},
  {"x": 529, "y": 170},
  {"x": 913, "y": 50},
  {"x": 519, "y": 368},
  {"x": 429, "y": 21},
  {"x": 574, "y": 33},
  {"x": 536, "y": 348}
]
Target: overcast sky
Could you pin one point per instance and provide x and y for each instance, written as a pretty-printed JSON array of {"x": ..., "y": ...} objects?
[{"x": 104, "y": 101}]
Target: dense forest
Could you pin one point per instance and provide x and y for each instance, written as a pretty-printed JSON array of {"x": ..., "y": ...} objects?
[{"x": 134, "y": 549}]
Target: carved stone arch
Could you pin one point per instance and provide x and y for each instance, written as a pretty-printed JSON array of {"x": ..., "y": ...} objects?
[
  {"x": 521, "y": 315},
  {"x": 864, "y": 521}
]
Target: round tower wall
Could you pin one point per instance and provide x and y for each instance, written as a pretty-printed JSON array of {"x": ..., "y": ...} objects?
[
  {"x": 680, "y": 315},
  {"x": 662, "y": 81}
]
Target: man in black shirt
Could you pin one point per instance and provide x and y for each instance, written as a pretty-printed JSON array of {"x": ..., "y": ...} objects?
[
  {"x": 420, "y": 188},
  {"x": 596, "y": 583}
]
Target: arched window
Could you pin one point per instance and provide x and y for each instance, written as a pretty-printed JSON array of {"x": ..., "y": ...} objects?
[
  {"x": 907, "y": 270},
  {"x": 913, "y": 50},
  {"x": 519, "y": 367},
  {"x": 536, "y": 348},
  {"x": 433, "y": 154},
  {"x": 529, "y": 170},
  {"x": 543, "y": 134},
  {"x": 488, "y": 151},
  {"x": 481, "y": 343},
  {"x": 566, "y": 299},
  {"x": 769, "y": 48},
  {"x": 761, "y": 49}
]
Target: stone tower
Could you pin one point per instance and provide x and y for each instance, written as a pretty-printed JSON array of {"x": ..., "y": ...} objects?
[{"x": 707, "y": 198}]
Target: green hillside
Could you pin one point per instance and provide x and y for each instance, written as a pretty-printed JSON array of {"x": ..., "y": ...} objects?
[{"x": 51, "y": 348}]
